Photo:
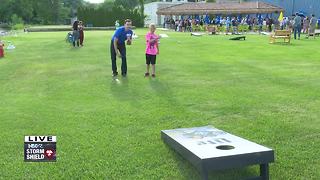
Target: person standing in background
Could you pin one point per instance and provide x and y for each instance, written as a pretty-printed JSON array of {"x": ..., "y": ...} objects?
[
  {"x": 75, "y": 33},
  {"x": 116, "y": 24},
  {"x": 297, "y": 26},
  {"x": 306, "y": 24},
  {"x": 1, "y": 49},
  {"x": 81, "y": 34},
  {"x": 228, "y": 25},
  {"x": 312, "y": 28}
]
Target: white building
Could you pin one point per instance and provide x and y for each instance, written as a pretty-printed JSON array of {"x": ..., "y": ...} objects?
[{"x": 150, "y": 10}]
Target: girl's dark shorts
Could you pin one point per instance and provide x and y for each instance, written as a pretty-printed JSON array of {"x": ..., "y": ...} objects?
[{"x": 151, "y": 59}]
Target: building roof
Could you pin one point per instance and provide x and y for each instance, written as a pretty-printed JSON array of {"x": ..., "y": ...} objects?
[{"x": 220, "y": 8}]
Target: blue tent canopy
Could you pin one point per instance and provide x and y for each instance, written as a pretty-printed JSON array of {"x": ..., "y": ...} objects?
[
  {"x": 197, "y": 17},
  {"x": 239, "y": 18},
  {"x": 218, "y": 19},
  {"x": 248, "y": 19},
  {"x": 302, "y": 13},
  {"x": 260, "y": 19},
  {"x": 207, "y": 19}
]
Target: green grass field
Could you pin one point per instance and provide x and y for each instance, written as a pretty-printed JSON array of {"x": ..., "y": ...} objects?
[{"x": 105, "y": 129}]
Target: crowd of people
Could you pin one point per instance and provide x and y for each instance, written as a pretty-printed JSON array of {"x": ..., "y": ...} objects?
[
  {"x": 308, "y": 25},
  {"x": 233, "y": 24},
  {"x": 123, "y": 34},
  {"x": 77, "y": 33}
]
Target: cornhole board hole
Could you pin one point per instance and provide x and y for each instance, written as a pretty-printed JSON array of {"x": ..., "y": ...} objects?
[{"x": 208, "y": 149}]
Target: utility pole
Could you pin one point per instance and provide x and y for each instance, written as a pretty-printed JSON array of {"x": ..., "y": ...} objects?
[
  {"x": 74, "y": 9},
  {"x": 293, "y": 4}
]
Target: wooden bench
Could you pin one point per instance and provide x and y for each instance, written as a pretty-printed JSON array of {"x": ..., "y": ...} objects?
[
  {"x": 281, "y": 34},
  {"x": 315, "y": 34}
]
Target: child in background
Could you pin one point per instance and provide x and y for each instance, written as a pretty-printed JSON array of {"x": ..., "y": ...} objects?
[
  {"x": 116, "y": 24},
  {"x": 81, "y": 34},
  {"x": 152, "y": 49}
]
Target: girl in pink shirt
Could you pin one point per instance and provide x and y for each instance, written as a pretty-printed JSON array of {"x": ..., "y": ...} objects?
[{"x": 152, "y": 49}]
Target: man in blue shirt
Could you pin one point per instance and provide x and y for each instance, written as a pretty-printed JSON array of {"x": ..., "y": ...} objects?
[
  {"x": 118, "y": 47},
  {"x": 297, "y": 26}
]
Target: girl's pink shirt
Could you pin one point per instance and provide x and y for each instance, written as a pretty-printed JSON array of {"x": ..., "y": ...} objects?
[{"x": 151, "y": 48}]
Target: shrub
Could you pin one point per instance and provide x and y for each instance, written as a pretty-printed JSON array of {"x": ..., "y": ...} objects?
[
  {"x": 17, "y": 22},
  {"x": 107, "y": 17},
  {"x": 18, "y": 26},
  {"x": 15, "y": 19}
]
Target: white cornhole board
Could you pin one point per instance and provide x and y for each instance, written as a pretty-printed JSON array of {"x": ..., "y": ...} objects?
[
  {"x": 197, "y": 34},
  {"x": 266, "y": 33},
  {"x": 208, "y": 148},
  {"x": 134, "y": 36},
  {"x": 163, "y": 35},
  {"x": 163, "y": 29}
]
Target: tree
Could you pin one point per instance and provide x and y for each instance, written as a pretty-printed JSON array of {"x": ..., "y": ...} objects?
[
  {"x": 15, "y": 19},
  {"x": 58, "y": 11},
  {"x": 108, "y": 4},
  {"x": 5, "y": 11},
  {"x": 39, "y": 11},
  {"x": 127, "y": 4},
  {"x": 141, "y": 2},
  {"x": 149, "y": 1},
  {"x": 21, "y": 8}
]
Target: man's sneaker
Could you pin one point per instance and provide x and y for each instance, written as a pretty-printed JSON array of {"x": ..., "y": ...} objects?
[
  {"x": 124, "y": 74},
  {"x": 153, "y": 75},
  {"x": 146, "y": 74}
]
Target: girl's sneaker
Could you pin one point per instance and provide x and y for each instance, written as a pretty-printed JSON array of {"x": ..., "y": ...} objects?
[
  {"x": 146, "y": 74},
  {"x": 153, "y": 75}
]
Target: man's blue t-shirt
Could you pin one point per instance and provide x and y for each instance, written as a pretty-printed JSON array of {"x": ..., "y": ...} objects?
[{"x": 122, "y": 35}]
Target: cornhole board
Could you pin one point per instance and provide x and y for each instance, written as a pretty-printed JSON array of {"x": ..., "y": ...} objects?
[
  {"x": 238, "y": 38},
  {"x": 208, "y": 149},
  {"x": 196, "y": 34}
]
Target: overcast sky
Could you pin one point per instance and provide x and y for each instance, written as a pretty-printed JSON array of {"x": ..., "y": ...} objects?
[{"x": 95, "y": 1}]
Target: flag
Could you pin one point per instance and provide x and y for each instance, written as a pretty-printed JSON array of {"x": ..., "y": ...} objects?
[{"x": 280, "y": 19}]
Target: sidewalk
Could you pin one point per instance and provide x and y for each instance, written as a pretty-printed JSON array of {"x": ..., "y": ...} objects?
[{"x": 3, "y": 32}]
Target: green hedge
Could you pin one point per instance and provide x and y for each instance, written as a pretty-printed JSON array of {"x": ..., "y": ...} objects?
[
  {"x": 48, "y": 29},
  {"x": 104, "y": 17}
]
